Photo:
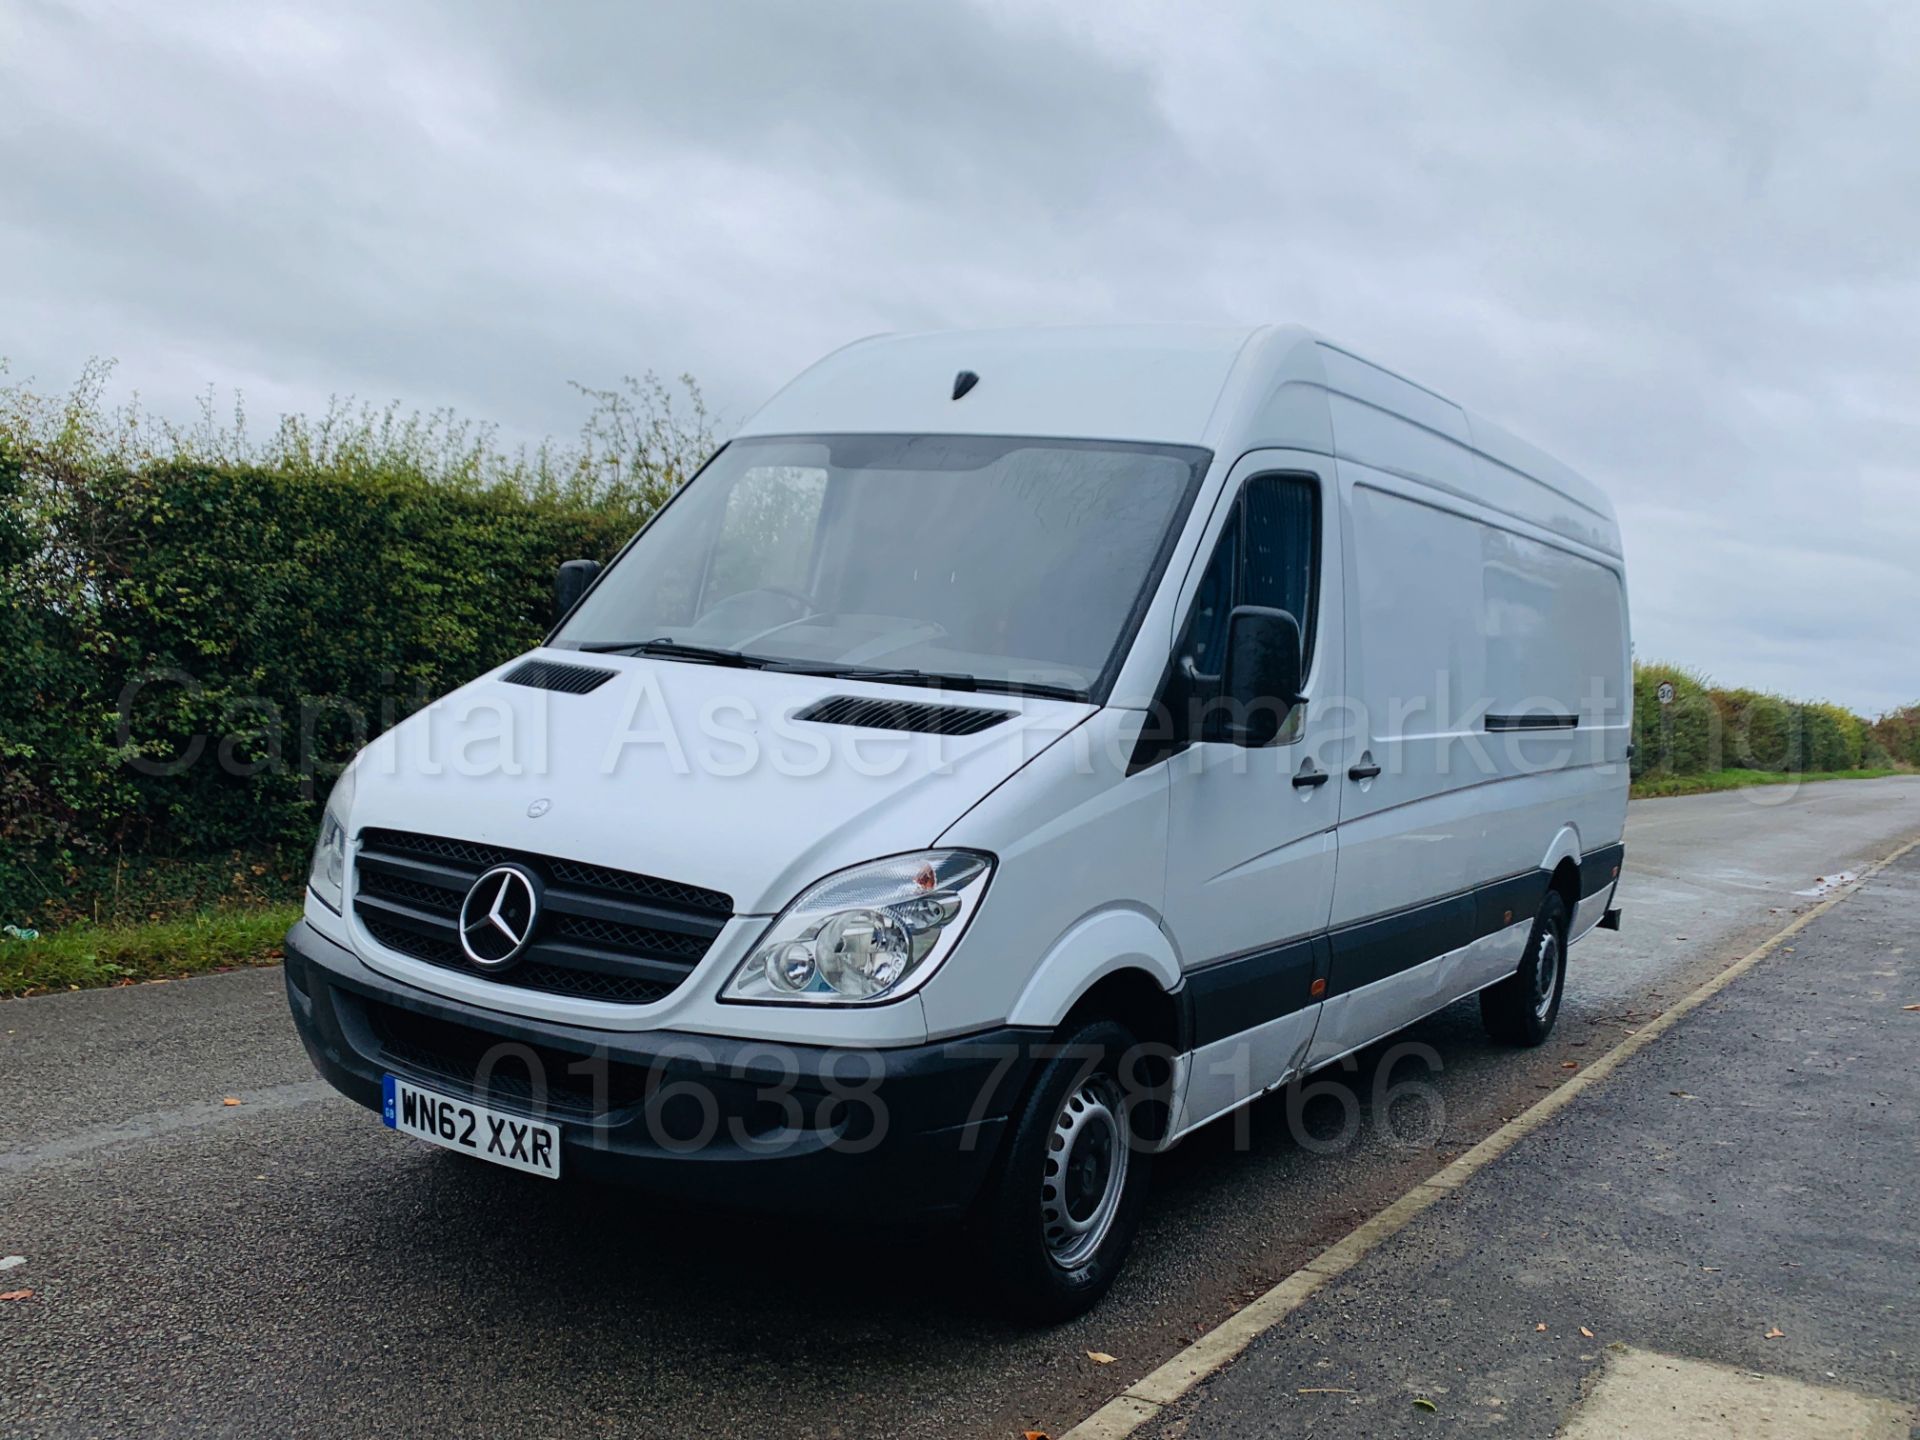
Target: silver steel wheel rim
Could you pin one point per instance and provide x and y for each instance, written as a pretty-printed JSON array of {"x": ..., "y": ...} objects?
[
  {"x": 1085, "y": 1172},
  {"x": 1546, "y": 974}
]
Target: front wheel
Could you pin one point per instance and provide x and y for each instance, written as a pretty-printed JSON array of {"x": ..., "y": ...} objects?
[
  {"x": 1521, "y": 1009},
  {"x": 1059, "y": 1214}
]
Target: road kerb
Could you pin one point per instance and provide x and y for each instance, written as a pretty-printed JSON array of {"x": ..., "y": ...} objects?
[{"x": 1213, "y": 1351}]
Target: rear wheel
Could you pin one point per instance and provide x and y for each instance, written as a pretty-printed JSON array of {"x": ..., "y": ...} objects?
[
  {"x": 1058, "y": 1216},
  {"x": 1521, "y": 1009}
]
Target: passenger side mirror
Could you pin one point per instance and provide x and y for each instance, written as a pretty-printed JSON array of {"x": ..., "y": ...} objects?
[
  {"x": 1261, "y": 680},
  {"x": 570, "y": 582}
]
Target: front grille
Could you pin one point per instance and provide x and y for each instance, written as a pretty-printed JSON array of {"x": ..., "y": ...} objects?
[{"x": 602, "y": 934}]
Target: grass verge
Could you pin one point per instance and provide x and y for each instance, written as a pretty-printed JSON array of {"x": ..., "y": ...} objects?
[
  {"x": 84, "y": 956},
  {"x": 1651, "y": 787}
]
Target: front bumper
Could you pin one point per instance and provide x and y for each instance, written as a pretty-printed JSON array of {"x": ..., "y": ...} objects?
[{"x": 907, "y": 1132}]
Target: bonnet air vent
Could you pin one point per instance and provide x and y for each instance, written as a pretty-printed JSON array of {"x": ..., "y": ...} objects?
[
  {"x": 901, "y": 715},
  {"x": 570, "y": 679}
]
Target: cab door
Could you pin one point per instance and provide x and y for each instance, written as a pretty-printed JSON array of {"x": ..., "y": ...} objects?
[{"x": 1251, "y": 839}]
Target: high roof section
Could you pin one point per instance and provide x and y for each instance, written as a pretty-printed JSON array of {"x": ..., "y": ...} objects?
[
  {"x": 1229, "y": 388},
  {"x": 1120, "y": 382}
]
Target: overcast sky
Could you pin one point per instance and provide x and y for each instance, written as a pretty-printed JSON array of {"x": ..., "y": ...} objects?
[{"x": 1679, "y": 247}]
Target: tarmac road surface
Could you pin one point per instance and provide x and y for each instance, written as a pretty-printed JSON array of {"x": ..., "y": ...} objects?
[
  {"x": 289, "y": 1266},
  {"x": 1715, "y": 1240}
]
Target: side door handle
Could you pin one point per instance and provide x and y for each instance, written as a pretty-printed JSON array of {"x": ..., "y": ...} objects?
[
  {"x": 1308, "y": 774},
  {"x": 1364, "y": 771}
]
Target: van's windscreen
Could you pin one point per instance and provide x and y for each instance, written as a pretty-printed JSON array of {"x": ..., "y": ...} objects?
[{"x": 1016, "y": 563}]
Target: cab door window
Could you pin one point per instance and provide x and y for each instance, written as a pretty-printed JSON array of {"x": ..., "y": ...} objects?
[
  {"x": 1280, "y": 550},
  {"x": 1268, "y": 553}
]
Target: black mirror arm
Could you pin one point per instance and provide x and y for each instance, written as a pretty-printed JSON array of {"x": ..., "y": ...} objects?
[
  {"x": 1200, "y": 677},
  {"x": 1194, "y": 673}
]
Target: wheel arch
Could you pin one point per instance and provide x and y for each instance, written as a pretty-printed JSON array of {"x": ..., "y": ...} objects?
[
  {"x": 1565, "y": 881},
  {"x": 1561, "y": 864},
  {"x": 1119, "y": 954}
]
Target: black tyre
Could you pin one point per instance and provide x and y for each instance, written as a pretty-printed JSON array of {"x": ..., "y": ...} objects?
[
  {"x": 1521, "y": 1009},
  {"x": 1059, "y": 1213}
]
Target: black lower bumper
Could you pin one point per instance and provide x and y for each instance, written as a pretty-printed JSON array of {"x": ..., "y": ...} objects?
[{"x": 904, "y": 1132}]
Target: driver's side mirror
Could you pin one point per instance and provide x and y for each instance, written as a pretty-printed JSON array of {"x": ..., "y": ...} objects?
[
  {"x": 570, "y": 582},
  {"x": 1261, "y": 680}
]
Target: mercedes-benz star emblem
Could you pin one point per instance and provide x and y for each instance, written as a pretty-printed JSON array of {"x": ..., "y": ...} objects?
[
  {"x": 538, "y": 808},
  {"x": 498, "y": 916}
]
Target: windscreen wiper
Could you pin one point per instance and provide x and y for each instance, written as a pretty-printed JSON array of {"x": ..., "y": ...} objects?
[
  {"x": 668, "y": 649},
  {"x": 885, "y": 676},
  {"x": 1033, "y": 687},
  {"x": 934, "y": 679}
]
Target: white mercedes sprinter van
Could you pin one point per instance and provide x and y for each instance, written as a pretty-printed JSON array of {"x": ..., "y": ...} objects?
[{"x": 1011, "y": 752}]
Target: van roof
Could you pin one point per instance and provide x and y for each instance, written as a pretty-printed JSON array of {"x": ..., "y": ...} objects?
[
  {"x": 1224, "y": 387},
  {"x": 1108, "y": 382}
]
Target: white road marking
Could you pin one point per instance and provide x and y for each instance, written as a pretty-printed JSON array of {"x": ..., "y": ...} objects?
[{"x": 161, "y": 1122}]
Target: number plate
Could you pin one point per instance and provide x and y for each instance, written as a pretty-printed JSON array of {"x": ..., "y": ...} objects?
[{"x": 521, "y": 1144}]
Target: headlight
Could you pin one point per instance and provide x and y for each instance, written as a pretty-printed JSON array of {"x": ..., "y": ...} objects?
[
  {"x": 327, "y": 878},
  {"x": 875, "y": 932}
]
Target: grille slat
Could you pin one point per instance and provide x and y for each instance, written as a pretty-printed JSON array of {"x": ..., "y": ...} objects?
[
  {"x": 592, "y": 932},
  {"x": 584, "y": 906},
  {"x": 918, "y": 716},
  {"x": 418, "y": 894},
  {"x": 602, "y": 934},
  {"x": 408, "y": 917},
  {"x": 563, "y": 956},
  {"x": 414, "y": 868}
]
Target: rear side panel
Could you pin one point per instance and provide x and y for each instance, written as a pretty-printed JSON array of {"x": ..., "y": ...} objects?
[
  {"x": 1488, "y": 663},
  {"x": 1489, "y": 668}
]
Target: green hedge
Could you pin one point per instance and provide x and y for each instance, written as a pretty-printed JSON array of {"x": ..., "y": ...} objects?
[
  {"x": 55, "y": 776},
  {"x": 296, "y": 615},
  {"x": 256, "y": 609},
  {"x": 1897, "y": 733},
  {"x": 189, "y": 692},
  {"x": 1705, "y": 729},
  {"x": 1679, "y": 738}
]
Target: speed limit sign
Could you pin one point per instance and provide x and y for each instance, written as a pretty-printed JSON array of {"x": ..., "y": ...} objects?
[{"x": 1665, "y": 692}]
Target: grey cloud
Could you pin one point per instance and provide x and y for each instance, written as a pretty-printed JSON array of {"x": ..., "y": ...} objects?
[{"x": 922, "y": 102}]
